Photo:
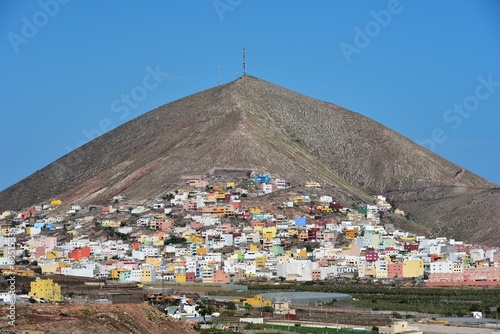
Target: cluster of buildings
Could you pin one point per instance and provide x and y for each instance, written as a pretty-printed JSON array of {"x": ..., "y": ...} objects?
[{"x": 212, "y": 232}]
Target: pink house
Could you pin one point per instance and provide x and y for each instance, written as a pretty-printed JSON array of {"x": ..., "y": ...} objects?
[
  {"x": 316, "y": 275},
  {"x": 329, "y": 236},
  {"x": 257, "y": 223},
  {"x": 489, "y": 276},
  {"x": 190, "y": 276},
  {"x": 236, "y": 204},
  {"x": 195, "y": 225},
  {"x": 221, "y": 277},
  {"x": 106, "y": 209},
  {"x": 40, "y": 251},
  {"x": 227, "y": 228},
  {"x": 165, "y": 224},
  {"x": 482, "y": 274},
  {"x": 395, "y": 270},
  {"x": 189, "y": 205}
]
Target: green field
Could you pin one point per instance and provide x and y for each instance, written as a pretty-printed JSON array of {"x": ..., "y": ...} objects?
[
  {"x": 304, "y": 329},
  {"x": 442, "y": 301}
]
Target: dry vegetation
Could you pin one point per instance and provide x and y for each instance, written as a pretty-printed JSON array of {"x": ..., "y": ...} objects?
[{"x": 94, "y": 318}]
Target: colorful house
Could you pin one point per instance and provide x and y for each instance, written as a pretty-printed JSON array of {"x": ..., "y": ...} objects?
[
  {"x": 413, "y": 268},
  {"x": 115, "y": 273},
  {"x": 221, "y": 277},
  {"x": 257, "y": 301},
  {"x": 45, "y": 289},
  {"x": 79, "y": 253}
]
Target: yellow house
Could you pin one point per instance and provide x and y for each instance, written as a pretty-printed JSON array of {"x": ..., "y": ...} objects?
[
  {"x": 312, "y": 184},
  {"x": 115, "y": 273},
  {"x": 230, "y": 185},
  {"x": 64, "y": 265},
  {"x": 400, "y": 212},
  {"x": 381, "y": 273},
  {"x": 148, "y": 275},
  {"x": 45, "y": 289},
  {"x": 210, "y": 198},
  {"x": 197, "y": 240},
  {"x": 260, "y": 261},
  {"x": 171, "y": 268},
  {"x": 49, "y": 268},
  {"x": 413, "y": 268},
  {"x": 53, "y": 254},
  {"x": 269, "y": 232},
  {"x": 5, "y": 230},
  {"x": 143, "y": 238},
  {"x": 230, "y": 211},
  {"x": 292, "y": 232},
  {"x": 303, "y": 253},
  {"x": 255, "y": 210},
  {"x": 180, "y": 278},
  {"x": 110, "y": 223},
  {"x": 253, "y": 248},
  {"x": 154, "y": 261},
  {"x": 371, "y": 272},
  {"x": 201, "y": 251},
  {"x": 19, "y": 272},
  {"x": 6, "y": 214},
  {"x": 258, "y": 228},
  {"x": 257, "y": 301},
  {"x": 282, "y": 258},
  {"x": 158, "y": 242},
  {"x": 56, "y": 202}
]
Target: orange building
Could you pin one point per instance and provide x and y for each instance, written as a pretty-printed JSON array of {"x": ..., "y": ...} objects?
[
  {"x": 79, "y": 253},
  {"x": 350, "y": 233}
]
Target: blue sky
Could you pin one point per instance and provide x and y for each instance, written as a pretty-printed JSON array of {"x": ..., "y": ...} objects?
[{"x": 429, "y": 70}]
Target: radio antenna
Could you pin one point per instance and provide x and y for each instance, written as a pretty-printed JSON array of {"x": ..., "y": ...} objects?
[{"x": 244, "y": 61}]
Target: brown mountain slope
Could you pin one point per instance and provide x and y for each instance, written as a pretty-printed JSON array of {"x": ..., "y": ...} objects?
[
  {"x": 250, "y": 123},
  {"x": 94, "y": 318}
]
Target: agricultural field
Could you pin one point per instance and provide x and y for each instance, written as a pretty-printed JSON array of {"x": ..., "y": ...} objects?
[{"x": 440, "y": 301}]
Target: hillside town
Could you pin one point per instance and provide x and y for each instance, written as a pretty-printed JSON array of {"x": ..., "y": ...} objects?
[{"x": 226, "y": 229}]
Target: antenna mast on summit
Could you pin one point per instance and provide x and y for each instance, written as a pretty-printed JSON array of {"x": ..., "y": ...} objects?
[
  {"x": 244, "y": 61},
  {"x": 218, "y": 76}
]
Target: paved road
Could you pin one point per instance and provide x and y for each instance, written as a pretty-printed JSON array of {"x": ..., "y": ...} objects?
[
  {"x": 454, "y": 330},
  {"x": 427, "y": 329}
]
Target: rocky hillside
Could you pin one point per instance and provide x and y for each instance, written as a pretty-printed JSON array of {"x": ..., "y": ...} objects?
[
  {"x": 250, "y": 123},
  {"x": 94, "y": 318}
]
